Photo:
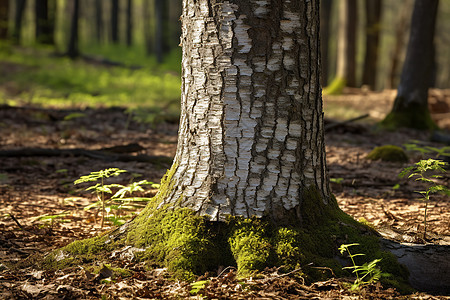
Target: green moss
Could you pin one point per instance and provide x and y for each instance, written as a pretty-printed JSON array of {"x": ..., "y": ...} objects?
[
  {"x": 189, "y": 245},
  {"x": 413, "y": 116},
  {"x": 388, "y": 153},
  {"x": 336, "y": 87}
]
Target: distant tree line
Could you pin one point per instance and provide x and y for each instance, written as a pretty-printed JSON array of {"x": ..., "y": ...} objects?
[
  {"x": 363, "y": 42},
  {"x": 69, "y": 24}
]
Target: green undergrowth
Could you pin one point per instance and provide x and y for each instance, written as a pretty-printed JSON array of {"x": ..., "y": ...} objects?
[
  {"x": 188, "y": 245},
  {"x": 36, "y": 76},
  {"x": 389, "y": 153}
]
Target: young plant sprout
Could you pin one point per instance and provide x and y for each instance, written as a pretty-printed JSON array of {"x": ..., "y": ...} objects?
[{"x": 420, "y": 171}]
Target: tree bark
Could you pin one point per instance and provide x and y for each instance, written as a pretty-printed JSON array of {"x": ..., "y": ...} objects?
[
  {"x": 373, "y": 26},
  {"x": 20, "y": 8},
  {"x": 115, "y": 21},
  {"x": 325, "y": 16},
  {"x": 72, "y": 49},
  {"x": 4, "y": 12},
  {"x": 251, "y": 136},
  {"x": 410, "y": 108},
  {"x": 45, "y": 16}
]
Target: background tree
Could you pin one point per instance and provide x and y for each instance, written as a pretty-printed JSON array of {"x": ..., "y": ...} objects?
[
  {"x": 129, "y": 23},
  {"x": 161, "y": 29},
  {"x": 99, "y": 20},
  {"x": 4, "y": 12},
  {"x": 73, "y": 48},
  {"x": 373, "y": 27},
  {"x": 18, "y": 17},
  {"x": 115, "y": 21},
  {"x": 410, "y": 108},
  {"x": 45, "y": 20},
  {"x": 401, "y": 29},
  {"x": 346, "y": 48}
]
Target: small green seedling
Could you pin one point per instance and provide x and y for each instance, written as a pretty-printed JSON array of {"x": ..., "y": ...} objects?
[
  {"x": 419, "y": 171},
  {"x": 365, "y": 274},
  {"x": 117, "y": 199}
]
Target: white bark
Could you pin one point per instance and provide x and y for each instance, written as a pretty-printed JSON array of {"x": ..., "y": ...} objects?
[{"x": 251, "y": 134}]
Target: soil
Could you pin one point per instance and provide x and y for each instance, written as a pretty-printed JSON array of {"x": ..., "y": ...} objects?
[{"x": 35, "y": 187}]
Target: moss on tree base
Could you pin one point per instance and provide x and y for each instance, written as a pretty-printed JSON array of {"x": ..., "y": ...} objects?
[
  {"x": 412, "y": 116},
  {"x": 189, "y": 245}
]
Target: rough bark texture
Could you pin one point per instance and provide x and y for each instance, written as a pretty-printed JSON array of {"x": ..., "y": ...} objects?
[
  {"x": 251, "y": 132},
  {"x": 410, "y": 108},
  {"x": 373, "y": 27},
  {"x": 4, "y": 11}
]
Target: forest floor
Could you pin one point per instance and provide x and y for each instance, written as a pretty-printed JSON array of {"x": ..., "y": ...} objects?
[{"x": 41, "y": 209}]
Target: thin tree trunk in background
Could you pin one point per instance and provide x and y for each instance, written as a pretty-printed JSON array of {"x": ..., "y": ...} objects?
[
  {"x": 129, "y": 25},
  {"x": 45, "y": 16},
  {"x": 17, "y": 32},
  {"x": 175, "y": 10},
  {"x": 410, "y": 108},
  {"x": 115, "y": 21},
  {"x": 73, "y": 50},
  {"x": 147, "y": 28},
  {"x": 400, "y": 32},
  {"x": 325, "y": 15},
  {"x": 351, "y": 40},
  {"x": 346, "y": 62},
  {"x": 99, "y": 20},
  {"x": 161, "y": 14},
  {"x": 373, "y": 26},
  {"x": 4, "y": 12}
]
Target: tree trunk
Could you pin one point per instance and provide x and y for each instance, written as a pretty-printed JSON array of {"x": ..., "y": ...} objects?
[
  {"x": 45, "y": 16},
  {"x": 115, "y": 21},
  {"x": 72, "y": 49},
  {"x": 373, "y": 26},
  {"x": 4, "y": 12},
  {"x": 99, "y": 20},
  {"x": 161, "y": 43},
  {"x": 346, "y": 48},
  {"x": 251, "y": 136},
  {"x": 20, "y": 8},
  {"x": 410, "y": 108},
  {"x": 148, "y": 37},
  {"x": 325, "y": 16},
  {"x": 249, "y": 184},
  {"x": 129, "y": 25},
  {"x": 400, "y": 32}
]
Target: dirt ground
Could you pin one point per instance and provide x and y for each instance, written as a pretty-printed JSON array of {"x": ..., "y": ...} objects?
[{"x": 35, "y": 186}]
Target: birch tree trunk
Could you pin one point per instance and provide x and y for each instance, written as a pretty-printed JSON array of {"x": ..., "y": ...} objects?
[{"x": 251, "y": 132}]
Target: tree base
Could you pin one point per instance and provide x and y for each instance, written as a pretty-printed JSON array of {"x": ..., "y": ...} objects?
[
  {"x": 413, "y": 116},
  {"x": 189, "y": 245}
]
